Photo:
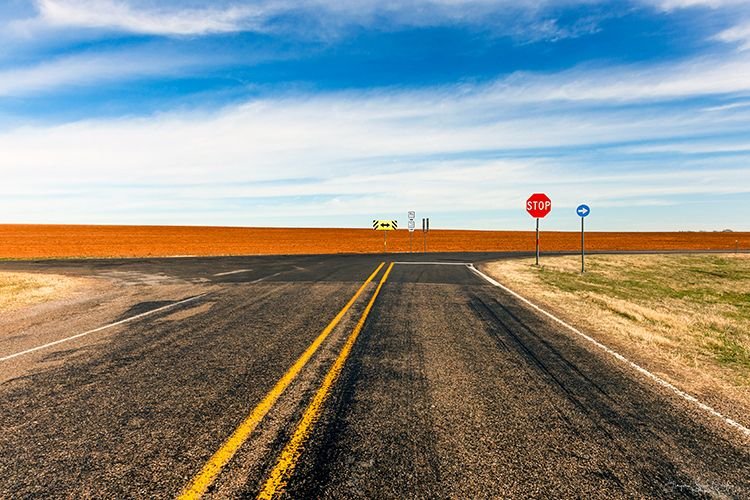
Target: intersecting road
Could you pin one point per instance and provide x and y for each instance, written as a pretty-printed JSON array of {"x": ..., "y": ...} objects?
[{"x": 333, "y": 377}]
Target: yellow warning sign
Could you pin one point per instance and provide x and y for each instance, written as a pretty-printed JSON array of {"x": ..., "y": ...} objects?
[{"x": 384, "y": 225}]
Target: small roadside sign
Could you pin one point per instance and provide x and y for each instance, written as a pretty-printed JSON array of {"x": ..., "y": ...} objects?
[
  {"x": 583, "y": 211},
  {"x": 538, "y": 206},
  {"x": 412, "y": 226},
  {"x": 384, "y": 225}
]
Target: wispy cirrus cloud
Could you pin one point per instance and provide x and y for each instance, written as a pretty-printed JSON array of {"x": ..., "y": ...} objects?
[
  {"x": 639, "y": 134},
  {"x": 684, "y": 4},
  {"x": 529, "y": 20},
  {"x": 94, "y": 68},
  {"x": 739, "y": 34},
  {"x": 167, "y": 20},
  {"x": 700, "y": 76},
  {"x": 454, "y": 150}
]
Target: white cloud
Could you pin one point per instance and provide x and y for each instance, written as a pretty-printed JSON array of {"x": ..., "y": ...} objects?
[
  {"x": 122, "y": 16},
  {"x": 691, "y": 78},
  {"x": 613, "y": 85},
  {"x": 88, "y": 69},
  {"x": 739, "y": 34},
  {"x": 450, "y": 149},
  {"x": 207, "y": 17},
  {"x": 669, "y": 5},
  {"x": 354, "y": 154}
]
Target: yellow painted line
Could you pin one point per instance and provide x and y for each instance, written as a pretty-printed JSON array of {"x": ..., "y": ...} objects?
[
  {"x": 292, "y": 451},
  {"x": 208, "y": 474}
]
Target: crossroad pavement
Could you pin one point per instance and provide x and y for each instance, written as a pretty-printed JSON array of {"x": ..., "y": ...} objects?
[{"x": 334, "y": 377}]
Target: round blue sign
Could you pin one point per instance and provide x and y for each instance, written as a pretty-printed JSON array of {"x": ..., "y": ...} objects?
[{"x": 583, "y": 210}]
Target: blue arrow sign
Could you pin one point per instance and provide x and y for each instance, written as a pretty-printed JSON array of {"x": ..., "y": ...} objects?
[{"x": 583, "y": 210}]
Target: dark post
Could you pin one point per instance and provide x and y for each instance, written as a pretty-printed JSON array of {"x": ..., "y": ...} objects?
[
  {"x": 425, "y": 234},
  {"x": 583, "y": 251},
  {"x": 537, "y": 241}
]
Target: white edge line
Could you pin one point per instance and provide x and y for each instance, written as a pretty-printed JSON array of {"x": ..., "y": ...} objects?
[
  {"x": 238, "y": 271},
  {"x": 111, "y": 325},
  {"x": 266, "y": 277},
  {"x": 684, "y": 395}
]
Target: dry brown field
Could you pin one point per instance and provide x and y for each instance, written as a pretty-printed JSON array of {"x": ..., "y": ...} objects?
[{"x": 48, "y": 241}]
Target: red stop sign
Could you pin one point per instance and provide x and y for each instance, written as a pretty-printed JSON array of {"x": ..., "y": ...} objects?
[{"x": 538, "y": 205}]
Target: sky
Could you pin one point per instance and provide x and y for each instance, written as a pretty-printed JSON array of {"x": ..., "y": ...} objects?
[{"x": 321, "y": 113}]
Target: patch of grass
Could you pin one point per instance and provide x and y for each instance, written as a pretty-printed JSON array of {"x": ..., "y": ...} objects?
[
  {"x": 691, "y": 307},
  {"x": 20, "y": 289},
  {"x": 729, "y": 351}
]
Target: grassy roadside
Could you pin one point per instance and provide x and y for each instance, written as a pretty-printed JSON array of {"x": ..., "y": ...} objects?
[
  {"x": 686, "y": 317},
  {"x": 22, "y": 289}
]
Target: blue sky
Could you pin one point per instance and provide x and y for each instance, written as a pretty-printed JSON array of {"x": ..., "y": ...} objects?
[{"x": 325, "y": 113}]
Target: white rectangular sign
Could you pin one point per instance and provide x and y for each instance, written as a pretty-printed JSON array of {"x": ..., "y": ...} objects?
[
  {"x": 411, "y": 225},
  {"x": 412, "y": 214}
]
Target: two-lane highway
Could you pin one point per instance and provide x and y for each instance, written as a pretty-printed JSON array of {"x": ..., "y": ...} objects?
[{"x": 342, "y": 376}]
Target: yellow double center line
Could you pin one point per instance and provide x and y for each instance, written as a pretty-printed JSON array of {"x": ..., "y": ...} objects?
[
  {"x": 208, "y": 474},
  {"x": 292, "y": 451}
]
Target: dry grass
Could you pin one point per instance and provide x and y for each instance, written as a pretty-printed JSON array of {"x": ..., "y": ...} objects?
[
  {"x": 45, "y": 241},
  {"x": 23, "y": 289},
  {"x": 686, "y": 317}
]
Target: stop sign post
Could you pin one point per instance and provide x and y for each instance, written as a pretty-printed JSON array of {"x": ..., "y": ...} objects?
[{"x": 538, "y": 206}]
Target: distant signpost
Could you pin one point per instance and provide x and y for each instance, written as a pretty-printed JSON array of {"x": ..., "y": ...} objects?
[
  {"x": 538, "y": 206},
  {"x": 411, "y": 225},
  {"x": 425, "y": 230},
  {"x": 385, "y": 226},
  {"x": 583, "y": 211}
]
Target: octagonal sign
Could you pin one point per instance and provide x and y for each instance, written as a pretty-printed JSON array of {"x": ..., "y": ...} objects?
[{"x": 538, "y": 205}]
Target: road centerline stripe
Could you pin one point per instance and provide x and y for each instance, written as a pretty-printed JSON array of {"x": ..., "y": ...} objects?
[
  {"x": 660, "y": 381},
  {"x": 292, "y": 451},
  {"x": 104, "y": 327},
  {"x": 211, "y": 470},
  {"x": 430, "y": 263}
]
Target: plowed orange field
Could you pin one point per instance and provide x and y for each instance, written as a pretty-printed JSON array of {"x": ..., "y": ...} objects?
[{"x": 43, "y": 241}]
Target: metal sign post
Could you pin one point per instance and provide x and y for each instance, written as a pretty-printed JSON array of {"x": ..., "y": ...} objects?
[
  {"x": 384, "y": 225},
  {"x": 411, "y": 214},
  {"x": 583, "y": 248},
  {"x": 583, "y": 211},
  {"x": 537, "y": 241},
  {"x": 538, "y": 206},
  {"x": 425, "y": 230}
]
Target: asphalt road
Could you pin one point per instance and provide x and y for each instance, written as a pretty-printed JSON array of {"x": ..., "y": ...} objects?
[{"x": 448, "y": 387}]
